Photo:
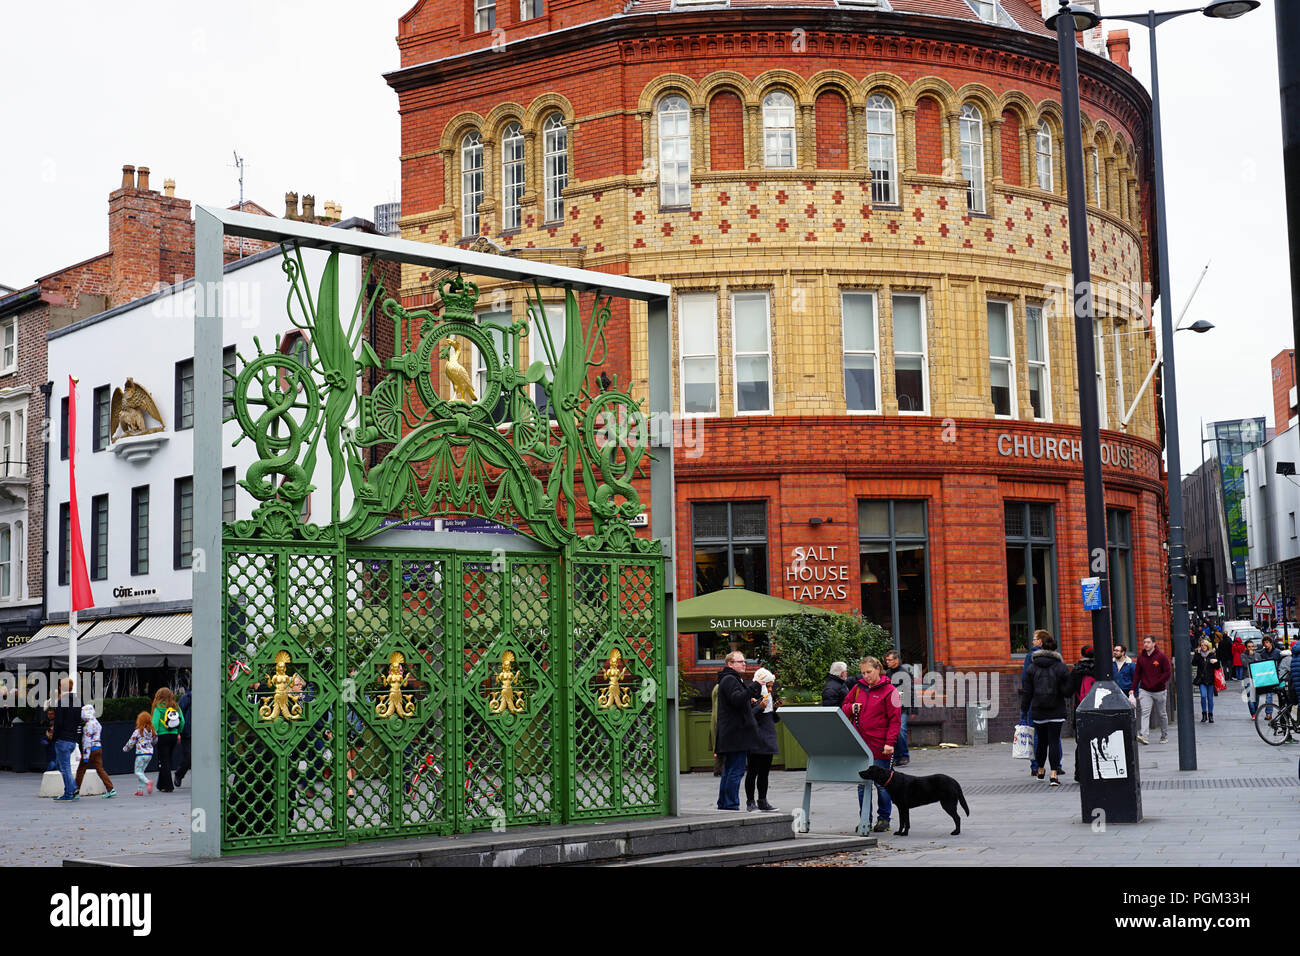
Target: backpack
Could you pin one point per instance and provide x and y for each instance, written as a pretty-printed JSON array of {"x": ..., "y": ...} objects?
[
  {"x": 171, "y": 719},
  {"x": 1085, "y": 687}
]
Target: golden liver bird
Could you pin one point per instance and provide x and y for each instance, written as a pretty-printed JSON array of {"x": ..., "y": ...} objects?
[
  {"x": 129, "y": 410},
  {"x": 461, "y": 383}
]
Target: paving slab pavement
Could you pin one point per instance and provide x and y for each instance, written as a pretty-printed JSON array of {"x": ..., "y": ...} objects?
[{"x": 1240, "y": 807}]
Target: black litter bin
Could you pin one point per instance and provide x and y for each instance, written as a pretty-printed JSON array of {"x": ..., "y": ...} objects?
[{"x": 1106, "y": 738}]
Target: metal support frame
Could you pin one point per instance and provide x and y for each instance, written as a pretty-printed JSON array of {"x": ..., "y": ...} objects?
[{"x": 211, "y": 226}]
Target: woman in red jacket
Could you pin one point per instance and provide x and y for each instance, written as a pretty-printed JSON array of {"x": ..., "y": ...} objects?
[{"x": 875, "y": 709}]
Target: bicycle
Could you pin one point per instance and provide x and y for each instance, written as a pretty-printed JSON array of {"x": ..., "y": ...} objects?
[{"x": 1274, "y": 719}]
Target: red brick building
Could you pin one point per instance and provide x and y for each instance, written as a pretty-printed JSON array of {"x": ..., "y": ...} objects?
[{"x": 861, "y": 209}]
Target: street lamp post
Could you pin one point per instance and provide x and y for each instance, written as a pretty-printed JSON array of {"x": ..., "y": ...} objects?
[
  {"x": 1226, "y": 10},
  {"x": 1108, "y": 786}
]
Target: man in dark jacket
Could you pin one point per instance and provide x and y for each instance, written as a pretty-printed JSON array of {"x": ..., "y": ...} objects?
[
  {"x": 183, "y": 745},
  {"x": 1045, "y": 691},
  {"x": 737, "y": 727},
  {"x": 67, "y": 731},
  {"x": 1224, "y": 648},
  {"x": 901, "y": 678},
  {"x": 836, "y": 687},
  {"x": 1151, "y": 686}
]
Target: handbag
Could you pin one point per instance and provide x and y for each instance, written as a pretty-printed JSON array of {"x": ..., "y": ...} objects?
[
  {"x": 1022, "y": 744},
  {"x": 1219, "y": 682}
]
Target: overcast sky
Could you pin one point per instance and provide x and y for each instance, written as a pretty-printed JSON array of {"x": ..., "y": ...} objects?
[{"x": 296, "y": 87}]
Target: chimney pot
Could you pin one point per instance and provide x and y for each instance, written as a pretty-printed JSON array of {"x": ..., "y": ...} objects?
[
  {"x": 142, "y": 179},
  {"x": 309, "y": 208},
  {"x": 128, "y": 177},
  {"x": 169, "y": 188},
  {"x": 290, "y": 205}
]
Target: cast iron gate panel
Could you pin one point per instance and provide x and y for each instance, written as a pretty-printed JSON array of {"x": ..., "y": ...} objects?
[{"x": 617, "y": 758}]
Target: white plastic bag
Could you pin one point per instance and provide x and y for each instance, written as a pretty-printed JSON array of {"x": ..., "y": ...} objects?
[{"x": 1022, "y": 745}]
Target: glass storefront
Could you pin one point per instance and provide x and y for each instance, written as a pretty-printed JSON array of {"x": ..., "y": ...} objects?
[{"x": 895, "y": 573}]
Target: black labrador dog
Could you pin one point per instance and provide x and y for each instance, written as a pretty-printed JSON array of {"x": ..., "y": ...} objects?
[{"x": 908, "y": 792}]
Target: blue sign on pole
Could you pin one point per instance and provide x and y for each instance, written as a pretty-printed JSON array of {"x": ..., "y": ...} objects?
[{"x": 1091, "y": 593}]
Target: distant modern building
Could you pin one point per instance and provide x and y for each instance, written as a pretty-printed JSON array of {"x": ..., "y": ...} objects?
[
  {"x": 386, "y": 218},
  {"x": 1216, "y": 537},
  {"x": 1270, "y": 505}
]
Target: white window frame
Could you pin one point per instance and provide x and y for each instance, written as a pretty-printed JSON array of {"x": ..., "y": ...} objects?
[
  {"x": 6, "y": 443},
  {"x": 1043, "y": 156},
  {"x": 882, "y": 147},
  {"x": 683, "y": 300},
  {"x": 1099, "y": 351},
  {"x": 9, "y": 345},
  {"x": 924, "y": 353},
  {"x": 1008, "y": 360},
  {"x": 972, "y": 155},
  {"x": 513, "y": 177},
  {"x": 485, "y": 15},
  {"x": 471, "y": 182},
  {"x": 555, "y": 140},
  {"x": 1044, "y": 364},
  {"x": 874, "y": 353},
  {"x": 736, "y": 354},
  {"x": 478, "y": 367},
  {"x": 674, "y": 174},
  {"x": 530, "y": 9},
  {"x": 554, "y": 315},
  {"x": 19, "y": 563},
  {"x": 981, "y": 7},
  {"x": 777, "y": 140}
]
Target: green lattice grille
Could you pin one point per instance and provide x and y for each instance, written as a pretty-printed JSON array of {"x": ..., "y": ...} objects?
[
  {"x": 617, "y": 760},
  {"x": 343, "y": 773}
]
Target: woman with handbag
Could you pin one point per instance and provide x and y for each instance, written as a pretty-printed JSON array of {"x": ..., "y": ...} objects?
[
  {"x": 1045, "y": 691},
  {"x": 1204, "y": 664}
]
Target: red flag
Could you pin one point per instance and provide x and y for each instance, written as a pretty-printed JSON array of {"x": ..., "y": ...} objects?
[{"x": 81, "y": 596}]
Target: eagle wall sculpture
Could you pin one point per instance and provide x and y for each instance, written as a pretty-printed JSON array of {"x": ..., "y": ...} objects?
[{"x": 132, "y": 407}]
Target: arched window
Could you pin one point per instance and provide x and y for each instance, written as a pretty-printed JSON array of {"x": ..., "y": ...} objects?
[
  {"x": 1043, "y": 149},
  {"x": 471, "y": 182},
  {"x": 674, "y": 151},
  {"x": 778, "y": 131},
  {"x": 882, "y": 149},
  {"x": 972, "y": 155},
  {"x": 512, "y": 176},
  {"x": 556, "y": 141},
  {"x": 1096, "y": 177}
]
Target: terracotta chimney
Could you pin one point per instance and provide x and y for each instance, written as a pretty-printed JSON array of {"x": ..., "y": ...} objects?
[
  {"x": 309, "y": 208},
  {"x": 169, "y": 188},
  {"x": 290, "y": 205},
  {"x": 142, "y": 179},
  {"x": 128, "y": 177},
  {"x": 1117, "y": 48}
]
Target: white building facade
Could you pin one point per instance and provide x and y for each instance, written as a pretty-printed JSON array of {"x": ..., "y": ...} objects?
[{"x": 136, "y": 492}]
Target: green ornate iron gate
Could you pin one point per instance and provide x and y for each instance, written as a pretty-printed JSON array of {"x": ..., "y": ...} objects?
[{"x": 380, "y": 691}]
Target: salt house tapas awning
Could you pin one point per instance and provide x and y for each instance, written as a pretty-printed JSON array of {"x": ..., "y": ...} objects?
[{"x": 736, "y": 609}]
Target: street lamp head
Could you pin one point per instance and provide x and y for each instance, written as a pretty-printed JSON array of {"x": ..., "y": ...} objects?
[
  {"x": 1230, "y": 9},
  {"x": 1201, "y": 325},
  {"x": 1085, "y": 19}
]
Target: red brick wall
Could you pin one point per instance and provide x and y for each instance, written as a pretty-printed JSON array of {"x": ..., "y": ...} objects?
[
  {"x": 929, "y": 137},
  {"x": 1283, "y": 375},
  {"x": 965, "y": 484},
  {"x": 832, "y": 131},
  {"x": 726, "y": 132},
  {"x": 1011, "y": 146}
]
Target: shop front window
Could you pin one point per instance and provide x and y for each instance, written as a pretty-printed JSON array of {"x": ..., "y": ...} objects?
[
  {"x": 1031, "y": 571},
  {"x": 730, "y": 551},
  {"x": 895, "y": 574},
  {"x": 1119, "y": 545}
]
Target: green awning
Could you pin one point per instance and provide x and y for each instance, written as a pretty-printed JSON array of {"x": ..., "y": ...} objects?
[{"x": 736, "y": 609}]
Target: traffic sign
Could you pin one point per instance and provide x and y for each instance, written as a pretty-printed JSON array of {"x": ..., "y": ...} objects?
[{"x": 1262, "y": 604}]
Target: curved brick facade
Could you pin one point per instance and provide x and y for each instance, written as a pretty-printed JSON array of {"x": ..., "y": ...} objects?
[{"x": 803, "y": 237}]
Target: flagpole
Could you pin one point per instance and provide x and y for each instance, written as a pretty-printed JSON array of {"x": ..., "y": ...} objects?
[
  {"x": 81, "y": 596},
  {"x": 72, "y": 649}
]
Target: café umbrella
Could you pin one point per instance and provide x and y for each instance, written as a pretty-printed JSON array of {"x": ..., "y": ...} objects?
[
  {"x": 737, "y": 609},
  {"x": 104, "y": 651}
]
